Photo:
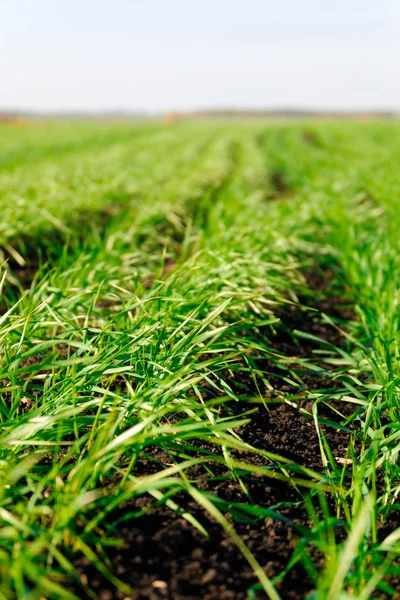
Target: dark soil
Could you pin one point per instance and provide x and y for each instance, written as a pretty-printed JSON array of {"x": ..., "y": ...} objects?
[
  {"x": 21, "y": 276},
  {"x": 310, "y": 138},
  {"x": 280, "y": 186},
  {"x": 164, "y": 557},
  {"x": 38, "y": 248}
]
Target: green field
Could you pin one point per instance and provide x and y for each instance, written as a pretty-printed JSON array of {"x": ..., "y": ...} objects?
[{"x": 199, "y": 386}]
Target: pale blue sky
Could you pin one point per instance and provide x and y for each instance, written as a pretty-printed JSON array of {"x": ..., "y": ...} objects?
[{"x": 185, "y": 54}]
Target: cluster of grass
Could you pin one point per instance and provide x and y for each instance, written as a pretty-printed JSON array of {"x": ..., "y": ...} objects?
[{"x": 159, "y": 261}]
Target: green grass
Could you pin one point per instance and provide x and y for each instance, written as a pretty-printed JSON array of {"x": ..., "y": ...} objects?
[{"x": 161, "y": 257}]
